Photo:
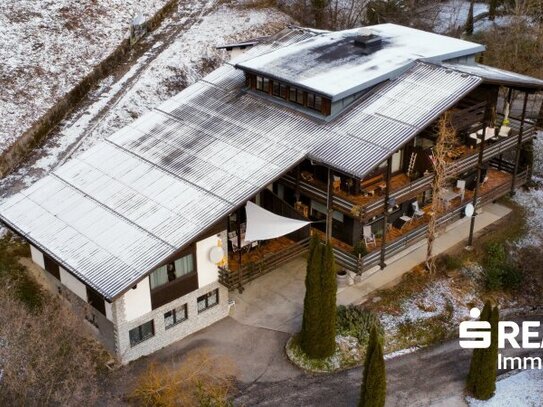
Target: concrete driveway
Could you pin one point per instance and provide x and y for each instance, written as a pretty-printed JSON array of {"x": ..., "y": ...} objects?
[{"x": 275, "y": 300}]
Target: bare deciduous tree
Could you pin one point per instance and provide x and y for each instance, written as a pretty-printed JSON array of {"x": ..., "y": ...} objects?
[
  {"x": 45, "y": 357},
  {"x": 446, "y": 140}
]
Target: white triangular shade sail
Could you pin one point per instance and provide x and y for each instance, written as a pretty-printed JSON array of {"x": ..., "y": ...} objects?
[{"x": 263, "y": 224}]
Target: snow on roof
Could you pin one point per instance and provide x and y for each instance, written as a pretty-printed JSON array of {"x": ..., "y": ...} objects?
[
  {"x": 114, "y": 213},
  {"x": 498, "y": 76},
  {"x": 329, "y": 63}
]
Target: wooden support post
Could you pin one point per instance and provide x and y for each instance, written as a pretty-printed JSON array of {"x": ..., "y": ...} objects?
[
  {"x": 329, "y": 206},
  {"x": 476, "y": 191},
  {"x": 519, "y": 143},
  {"x": 297, "y": 187},
  {"x": 385, "y": 216}
]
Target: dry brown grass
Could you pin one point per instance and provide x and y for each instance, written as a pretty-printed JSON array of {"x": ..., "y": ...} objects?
[{"x": 202, "y": 379}]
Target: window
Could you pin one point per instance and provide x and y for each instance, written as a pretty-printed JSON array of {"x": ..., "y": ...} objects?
[
  {"x": 208, "y": 300},
  {"x": 276, "y": 90},
  {"x": 96, "y": 300},
  {"x": 283, "y": 91},
  {"x": 296, "y": 96},
  {"x": 314, "y": 101},
  {"x": 175, "y": 316},
  {"x": 141, "y": 333},
  {"x": 263, "y": 84},
  {"x": 171, "y": 271}
]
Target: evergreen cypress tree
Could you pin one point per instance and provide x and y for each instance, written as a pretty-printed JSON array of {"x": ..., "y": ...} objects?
[
  {"x": 373, "y": 389},
  {"x": 310, "y": 335},
  {"x": 328, "y": 303},
  {"x": 481, "y": 381},
  {"x": 468, "y": 29}
]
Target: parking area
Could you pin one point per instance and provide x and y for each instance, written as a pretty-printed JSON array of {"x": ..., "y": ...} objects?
[{"x": 275, "y": 300}]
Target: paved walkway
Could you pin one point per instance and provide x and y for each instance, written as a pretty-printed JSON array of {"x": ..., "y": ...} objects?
[
  {"x": 275, "y": 300},
  {"x": 455, "y": 233}
]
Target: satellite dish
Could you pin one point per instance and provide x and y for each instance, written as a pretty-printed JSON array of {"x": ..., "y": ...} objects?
[
  {"x": 469, "y": 210},
  {"x": 216, "y": 254}
]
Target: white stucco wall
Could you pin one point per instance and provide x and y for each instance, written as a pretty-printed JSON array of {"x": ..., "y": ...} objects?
[
  {"x": 208, "y": 272},
  {"x": 137, "y": 302},
  {"x": 37, "y": 257},
  {"x": 73, "y": 284}
]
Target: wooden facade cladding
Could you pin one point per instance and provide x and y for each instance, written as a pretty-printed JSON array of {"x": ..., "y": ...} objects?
[
  {"x": 326, "y": 103},
  {"x": 180, "y": 286},
  {"x": 174, "y": 289}
]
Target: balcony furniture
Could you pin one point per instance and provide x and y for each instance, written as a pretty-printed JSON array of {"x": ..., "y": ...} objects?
[
  {"x": 302, "y": 208},
  {"x": 245, "y": 245},
  {"x": 369, "y": 237},
  {"x": 447, "y": 195},
  {"x": 336, "y": 183},
  {"x": 490, "y": 134},
  {"x": 406, "y": 220},
  {"x": 504, "y": 131},
  {"x": 461, "y": 187},
  {"x": 417, "y": 212},
  {"x": 306, "y": 176},
  {"x": 371, "y": 185}
]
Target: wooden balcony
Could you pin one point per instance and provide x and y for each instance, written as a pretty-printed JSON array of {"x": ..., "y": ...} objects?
[
  {"x": 402, "y": 188},
  {"x": 498, "y": 185}
]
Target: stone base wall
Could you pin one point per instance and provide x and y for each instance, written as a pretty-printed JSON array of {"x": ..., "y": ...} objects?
[{"x": 163, "y": 337}]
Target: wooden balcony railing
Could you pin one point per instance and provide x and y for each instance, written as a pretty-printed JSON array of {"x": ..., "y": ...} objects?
[
  {"x": 353, "y": 263},
  {"x": 233, "y": 279},
  {"x": 419, "y": 185}
]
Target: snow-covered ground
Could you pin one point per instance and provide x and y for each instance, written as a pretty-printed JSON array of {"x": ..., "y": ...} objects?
[
  {"x": 48, "y": 46},
  {"x": 190, "y": 55},
  {"x": 532, "y": 200},
  {"x": 524, "y": 389}
]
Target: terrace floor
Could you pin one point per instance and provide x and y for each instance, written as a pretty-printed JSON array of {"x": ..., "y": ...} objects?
[
  {"x": 495, "y": 179},
  {"x": 264, "y": 248}
]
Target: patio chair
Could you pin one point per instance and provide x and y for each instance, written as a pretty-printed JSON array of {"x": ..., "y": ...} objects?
[
  {"x": 232, "y": 235},
  {"x": 504, "y": 131},
  {"x": 369, "y": 237},
  {"x": 417, "y": 212},
  {"x": 461, "y": 186}
]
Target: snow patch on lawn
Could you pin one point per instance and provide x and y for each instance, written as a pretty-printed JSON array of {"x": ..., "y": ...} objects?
[
  {"x": 518, "y": 389},
  {"x": 532, "y": 200},
  {"x": 47, "y": 47}
]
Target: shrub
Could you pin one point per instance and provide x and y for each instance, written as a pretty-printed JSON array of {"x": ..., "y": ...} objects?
[
  {"x": 500, "y": 272},
  {"x": 373, "y": 388},
  {"x": 360, "y": 248},
  {"x": 356, "y": 322},
  {"x": 452, "y": 262}
]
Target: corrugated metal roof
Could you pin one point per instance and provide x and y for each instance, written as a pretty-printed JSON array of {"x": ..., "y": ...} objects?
[
  {"x": 498, "y": 76},
  {"x": 116, "y": 211},
  {"x": 392, "y": 115}
]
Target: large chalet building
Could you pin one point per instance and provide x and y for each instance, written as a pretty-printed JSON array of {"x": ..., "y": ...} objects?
[{"x": 146, "y": 229}]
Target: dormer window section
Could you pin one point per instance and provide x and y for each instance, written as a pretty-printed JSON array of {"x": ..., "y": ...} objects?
[
  {"x": 296, "y": 95},
  {"x": 289, "y": 93},
  {"x": 263, "y": 84}
]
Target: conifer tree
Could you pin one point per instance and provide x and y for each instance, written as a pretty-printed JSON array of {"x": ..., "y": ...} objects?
[
  {"x": 373, "y": 389},
  {"x": 328, "y": 303},
  {"x": 310, "y": 335},
  {"x": 481, "y": 382}
]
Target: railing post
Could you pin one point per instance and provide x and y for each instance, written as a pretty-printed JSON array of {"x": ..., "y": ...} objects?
[
  {"x": 385, "y": 216},
  {"x": 519, "y": 143},
  {"x": 476, "y": 191}
]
